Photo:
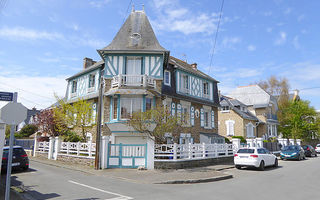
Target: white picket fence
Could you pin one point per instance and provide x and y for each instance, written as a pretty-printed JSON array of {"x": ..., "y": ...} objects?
[
  {"x": 74, "y": 149},
  {"x": 173, "y": 152}
]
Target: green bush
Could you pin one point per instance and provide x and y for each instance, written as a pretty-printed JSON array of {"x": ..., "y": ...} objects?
[
  {"x": 266, "y": 141},
  {"x": 227, "y": 140},
  {"x": 70, "y": 136},
  {"x": 26, "y": 131},
  {"x": 242, "y": 140}
]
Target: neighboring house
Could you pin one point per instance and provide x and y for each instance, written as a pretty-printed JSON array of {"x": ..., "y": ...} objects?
[
  {"x": 30, "y": 119},
  {"x": 138, "y": 75},
  {"x": 236, "y": 120},
  {"x": 262, "y": 105}
]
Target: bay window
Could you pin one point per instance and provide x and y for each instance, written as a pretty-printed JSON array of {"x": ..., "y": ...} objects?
[
  {"x": 148, "y": 103},
  {"x": 129, "y": 106},
  {"x": 115, "y": 108}
]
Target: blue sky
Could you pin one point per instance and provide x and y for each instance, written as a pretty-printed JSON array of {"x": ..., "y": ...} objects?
[{"x": 42, "y": 42}]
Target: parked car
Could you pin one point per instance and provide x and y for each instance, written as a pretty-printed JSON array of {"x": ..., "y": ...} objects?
[
  {"x": 317, "y": 148},
  {"x": 20, "y": 159},
  {"x": 254, "y": 157},
  {"x": 294, "y": 152},
  {"x": 309, "y": 151}
]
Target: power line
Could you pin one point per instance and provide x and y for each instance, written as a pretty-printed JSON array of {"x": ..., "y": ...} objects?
[{"x": 216, "y": 36}]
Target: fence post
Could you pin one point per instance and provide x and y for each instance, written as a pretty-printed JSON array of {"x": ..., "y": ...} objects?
[
  {"x": 235, "y": 144},
  {"x": 104, "y": 152},
  {"x": 259, "y": 142},
  {"x": 68, "y": 147},
  {"x": 291, "y": 141},
  {"x": 190, "y": 151},
  {"x": 216, "y": 150},
  {"x": 175, "y": 151},
  {"x": 203, "y": 150},
  {"x": 57, "y": 146},
  {"x": 78, "y": 148},
  {"x": 35, "y": 145},
  {"x": 89, "y": 148},
  {"x": 226, "y": 149},
  {"x": 51, "y": 146},
  {"x": 150, "y": 153}
]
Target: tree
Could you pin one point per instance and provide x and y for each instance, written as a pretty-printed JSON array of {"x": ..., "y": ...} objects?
[
  {"x": 300, "y": 121},
  {"x": 156, "y": 122},
  {"x": 26, "y": 131},
  {"x": 45, "y": 122},
  {"x": 69, "y": 116}
]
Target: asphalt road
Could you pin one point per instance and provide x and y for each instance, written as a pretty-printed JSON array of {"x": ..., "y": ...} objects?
[{"x": 292, "y": 180}]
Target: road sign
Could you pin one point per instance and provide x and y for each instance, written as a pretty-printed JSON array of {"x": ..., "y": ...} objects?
[
  {"x": 6, "y": 96},
  {"x": 13, "y": 113}
]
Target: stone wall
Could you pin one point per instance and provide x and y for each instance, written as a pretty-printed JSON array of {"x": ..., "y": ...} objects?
[
  {"x": 76, "y": 160},
  {"x": 193, "y": 163}
]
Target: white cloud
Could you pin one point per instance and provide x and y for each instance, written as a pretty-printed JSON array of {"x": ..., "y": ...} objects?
[
  {"x": 99, "y": 3},
  {"x": 281, "y": 39},
  {"x": 251, "y": 48},
  {"x": 229, "y": 42},
  {"x": 172, "y": 17},
  {"x": 34, "y": 91},
  {"x": 295, "y": 42},
  {"x": 21, "y": 33}
]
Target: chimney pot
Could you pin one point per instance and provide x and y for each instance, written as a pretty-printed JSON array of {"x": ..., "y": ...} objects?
[
  {"x": 194, "y": 66},
  {"x": 87, "y": 62}
]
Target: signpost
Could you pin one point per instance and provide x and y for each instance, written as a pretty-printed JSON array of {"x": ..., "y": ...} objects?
[{"x": 13, "y": 113}]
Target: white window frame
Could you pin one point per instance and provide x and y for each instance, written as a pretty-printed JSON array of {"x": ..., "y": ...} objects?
[
  {"x": 167, "y": 82},
  {"x": 134, "y": 67},
  {"x": 131, "y": 105},
  {"x": 248, "y": 127},
  {"x": 223, "y": 110},
  {"x": 207, "y": 109},
  {"x": 93, "y": 80},
  {"x": 74, "y": 85},
  {"x": 185, "y": 87},
  {"x": 228, "y": 124}
]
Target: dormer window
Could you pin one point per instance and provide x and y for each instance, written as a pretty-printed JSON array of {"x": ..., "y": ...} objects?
[
  {"x": 225, "y": 108},
  {"x": 167, "y": 77},
  {"x": 206, "y": 89}
]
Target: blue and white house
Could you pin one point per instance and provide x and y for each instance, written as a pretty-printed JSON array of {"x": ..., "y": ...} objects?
[{"x": 138, "y": 74}]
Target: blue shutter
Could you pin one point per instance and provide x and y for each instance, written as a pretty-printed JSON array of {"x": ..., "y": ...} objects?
[
  {"x": 201, "y": 117},
  {"x": 212, "y": 119},
  {"x": 173, "y": 109},
  {"x": 94, "y": 112},
  {"x": 179, "y": 112},
  {"x": 192, "y": 115}
]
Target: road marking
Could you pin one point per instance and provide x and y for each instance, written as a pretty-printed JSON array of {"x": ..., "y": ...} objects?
[{"x": 120, "y": 197}]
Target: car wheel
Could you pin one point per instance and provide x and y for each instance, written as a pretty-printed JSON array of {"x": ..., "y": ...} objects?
[
  {"x": 25, "y": 168},
  {"x": 276, "y": 164},
  {"x": 238, "y": 166},
  {"x": 261, "y": 167}
]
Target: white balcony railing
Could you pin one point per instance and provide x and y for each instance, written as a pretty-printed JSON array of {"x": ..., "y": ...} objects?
[{"x": 133, "y": 80}]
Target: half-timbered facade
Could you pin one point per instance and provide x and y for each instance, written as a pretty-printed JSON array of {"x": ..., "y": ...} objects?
[{"x": 138, "y": 75}]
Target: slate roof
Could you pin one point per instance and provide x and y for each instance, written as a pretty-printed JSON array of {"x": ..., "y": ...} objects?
[
  {"x": 88, "y": 69},
  {"x": 135, "y": 34},
  {"x": 226, "y": 101},
  {"x": 252, "y": 95},
  {"x": 188, "y": 68}
]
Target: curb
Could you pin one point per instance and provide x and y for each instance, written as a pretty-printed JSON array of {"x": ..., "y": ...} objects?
[
  {"x": 224, "y": 168},
  {"x": 204, "y": 180}
]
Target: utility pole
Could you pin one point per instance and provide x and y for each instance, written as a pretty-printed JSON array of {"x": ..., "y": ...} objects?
[{"x": 98, "y": 135}]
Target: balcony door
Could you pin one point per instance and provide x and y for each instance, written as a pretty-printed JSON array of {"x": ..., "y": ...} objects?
[{"x": 133, "y": 70}]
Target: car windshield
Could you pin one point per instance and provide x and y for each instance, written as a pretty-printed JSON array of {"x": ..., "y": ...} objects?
[
  {"x": 246, "y": 151},
  {"x": 290, "y": 148},
  {"x": 16, "y": 152}
]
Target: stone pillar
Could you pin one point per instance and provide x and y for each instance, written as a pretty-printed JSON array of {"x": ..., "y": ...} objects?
[
  {"x": 104, "y": 152},
  {"x": 259, "y": 142},
  {"x": 150, "y": 153},
  {"x": 51, "y": 146},
  {"x": 57, "y": 146},
  {"x": 291, "y": 141},
  {"x": 250, "y": 142},
  {"x": 2, "y": 139},
  {"x": 236, "y": 144},
  {"x": 298, "y": 141}
]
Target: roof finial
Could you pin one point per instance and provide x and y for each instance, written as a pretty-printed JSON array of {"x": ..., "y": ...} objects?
[
  {"x": 143, "y": 7},
  {"x": 132, "y": 8}
]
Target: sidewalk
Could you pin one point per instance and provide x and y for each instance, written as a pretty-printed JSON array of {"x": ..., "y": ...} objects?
[{"x": 181, "y": 176}]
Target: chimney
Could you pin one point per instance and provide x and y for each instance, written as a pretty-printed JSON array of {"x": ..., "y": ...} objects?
[
  {"x": 296, "y": 95},
  {"x": 87, "y": 62},
  {"x": 194, "y": 66}
]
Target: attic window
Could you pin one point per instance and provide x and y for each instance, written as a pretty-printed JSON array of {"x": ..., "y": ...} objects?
[{"x": 135, "y": 36}]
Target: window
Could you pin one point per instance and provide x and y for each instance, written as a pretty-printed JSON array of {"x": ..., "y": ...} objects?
[
  {"x": 250, "y": 132},
  {"x": 261, "y": 151},
  {"x": 92, "y": 79},
  {"x": 185, "y": 83},
  {"x": 245, "y": 151},
  {"x": 74, "y": 87},
  {"x": 148, "y": 103},
  {"x": 133, "y": 66},
  {"x": 206, "y": 88},
  {"x": 225, "y": 108},
  {"x": 115, "y": 108},
  {"x": 206, "y": 119},
  {"x": 129, "y": 106},
  {"x": 185, "y": 115},
  {"x": 167, "y": 77},
  {"x": 230, "y": 127}
]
